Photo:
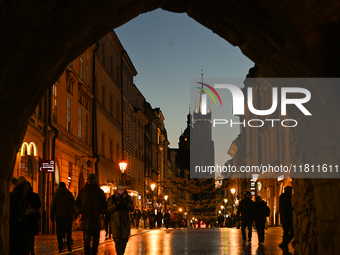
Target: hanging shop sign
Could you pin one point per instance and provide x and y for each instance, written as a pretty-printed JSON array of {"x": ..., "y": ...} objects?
[{"x": 46, "y": 166}]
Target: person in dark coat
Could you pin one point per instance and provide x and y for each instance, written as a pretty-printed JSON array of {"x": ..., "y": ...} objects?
[
  {"x": 62, "y": 211},
  {"x": 107, "y": 224},
  {"x": 17, "y": 221},
  {"x": 32, "y": 215},
  {"x": 159, "y": 218},
  {"x": 137, "y": 215},
  {"x": 166, "y": 219},
  {"x": 245, "y": 209},
  {"x": 286, "y": 214},
  {"x": 120, "y": 205},
  {"x": 145, "y": 217},
  {"x": 91, "y": 204},
  {"x": 151, "y": 216},
  {"x": 261, "y": 212}
]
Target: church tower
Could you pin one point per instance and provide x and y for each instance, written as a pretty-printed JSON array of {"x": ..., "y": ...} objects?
[{"x": 202, "y": 145}]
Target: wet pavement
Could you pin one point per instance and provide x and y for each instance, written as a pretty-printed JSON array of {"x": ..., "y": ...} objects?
[{"x": 176, "y": 241}]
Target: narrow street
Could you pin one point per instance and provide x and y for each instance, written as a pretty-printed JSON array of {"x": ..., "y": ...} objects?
[{"x": 176, "y": 241}]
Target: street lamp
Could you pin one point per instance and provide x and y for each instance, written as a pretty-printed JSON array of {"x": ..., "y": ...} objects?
[
  {"x": 152, "y": 186},
  {"x": 122, "y": 166},
  {"x": 233, "y": 193},
  {"x": 166, "y": 199}
]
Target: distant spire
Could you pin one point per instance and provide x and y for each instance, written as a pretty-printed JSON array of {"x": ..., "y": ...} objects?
[
  {"x": 208, "y": 105},
  {"x": 202, "y": 93},
  {"x": 189, "y": 118},
  {"x": 196, "y": 111}
]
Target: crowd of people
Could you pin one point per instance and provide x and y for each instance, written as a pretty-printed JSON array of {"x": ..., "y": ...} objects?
[{"x": 118, "y": 214}]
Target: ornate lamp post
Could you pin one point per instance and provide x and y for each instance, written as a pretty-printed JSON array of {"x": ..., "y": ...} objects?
[
  {"x": 122, "y": 166},
  {"x": 233, "y": 193},
  {"x": 152, "y": 186},
  {"x": 166, "y": 199}
]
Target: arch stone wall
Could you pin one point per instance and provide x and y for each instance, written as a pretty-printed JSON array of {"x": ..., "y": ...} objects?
[{"x": 296, "y": 38}]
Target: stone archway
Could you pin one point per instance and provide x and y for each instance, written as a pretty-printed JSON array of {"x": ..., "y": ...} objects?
[{"x": 290, "y": 39}]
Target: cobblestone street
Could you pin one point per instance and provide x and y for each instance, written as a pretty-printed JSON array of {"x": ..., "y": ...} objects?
[{"x": 176, "y": 241}]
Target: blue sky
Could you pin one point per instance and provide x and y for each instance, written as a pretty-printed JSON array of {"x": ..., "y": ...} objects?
[{"x": 168, "y": 49}]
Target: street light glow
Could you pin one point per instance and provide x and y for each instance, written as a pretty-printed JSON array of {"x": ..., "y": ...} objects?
[
  {"x": 122, "y": 165},
  {"x": 166, "y": 198},
  {"x": 233, "y": 191},
  {"x": 153, "y": 186}
]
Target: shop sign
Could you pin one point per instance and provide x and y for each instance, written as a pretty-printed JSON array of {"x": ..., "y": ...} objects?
[{"x": 46, "y": 166}]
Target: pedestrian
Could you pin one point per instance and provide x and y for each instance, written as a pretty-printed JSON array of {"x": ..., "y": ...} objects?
[
  {"x": 131, "y": 219},
  {"x": 220, "y": 220},
  {"x": 246, "y": 211},
  {"x": 32, "y": 216},
  {"x": 120, "y": 205},
  {"x": 62, "y": 211},
  {"x": 145, "y": 217},
  {"x": 151, "y": 216},
  {"x": 107, "y": 223},
  {"x": 91, "y": 203},
  {"x": 166, "y": 219},
  {"x": 159, "y": 218},
  {"x": 174, "y": 218},
  {"x": 261, "y": 212},
  {"x": 137, "y": 215},
  {"x": 286, "y": 215},
  {"x": 17, "y": 221}
]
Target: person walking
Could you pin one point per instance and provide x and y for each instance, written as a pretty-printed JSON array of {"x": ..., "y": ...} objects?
[
  {"x": 145, "y": 217},
  {"x": 91, "y": 203},
  {"x": 151, "y": 216},
  {"x": 166, "y": 219},
  {"x": 32, "y": 215},
  {"x": 286, "y": 215},
  {"x": 17, "y": 221},
  {"x": 159, "y": 218},
  {"x": 120, "y": 205},
  {"x": 107, "y": 224},
  {"x": 245, "y": 209},
  {"x": 261, "y": 212},
  {"x": 137, "y": 215},
  {"x": 62, "y": 211}
]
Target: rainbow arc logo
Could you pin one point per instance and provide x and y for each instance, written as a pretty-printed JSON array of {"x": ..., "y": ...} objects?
[{"x": 204, "y": 103}]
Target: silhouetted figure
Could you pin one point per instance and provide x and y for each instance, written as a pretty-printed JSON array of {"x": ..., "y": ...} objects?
[
  {"x": 32, "y": 215},
  {"x": 245, "y": 209},
  {"x": 91, "y": 203},
  {"x": 137, "y": 215},
  {"x": 261, "y": 212},
  {"x": 17, "y": 221},
  {"x": 107, "y": 224},
  {"x": 159, "y": 218},
  {"x": 120, "y": 206},
  {"x": 151, "y": 216},
  {"x": 166, "y": 219},
  {"x": 145, "y": 217},
  {"x": 286, "y": 213},
  {"x": 62, "y": 210}
]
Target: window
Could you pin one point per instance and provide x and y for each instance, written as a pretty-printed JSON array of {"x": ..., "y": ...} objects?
[
  {"x": 68, "y": 124},
  {"x": 81, "y": 66},
  {"x": 103, "y": 96},
  {"x": 117, "y": 109},
  {"x": 54, "y": 102},
  {"x": 87, "y": 71},
  {"x": 103, "y": 145},
  {"x": 111, "y": 150},
  {"x": 86, "y": 128},
  {"x": 111, "y": 105},
  {"x": 80, "y": 122}
]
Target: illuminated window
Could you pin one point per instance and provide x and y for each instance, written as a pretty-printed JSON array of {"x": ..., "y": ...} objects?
[
  {"x": 81, "y": 66},
  {"x": 87, "y": 72},
  {"x": 87, "y": 127},
  {"x": 80, "y": 122},
  {"x": 55, "y": 102},
  {"x": 68, "y": 124}
]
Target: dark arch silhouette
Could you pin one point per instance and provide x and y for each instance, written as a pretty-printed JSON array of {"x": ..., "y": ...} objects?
[{"x": 39, "y": 38}]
